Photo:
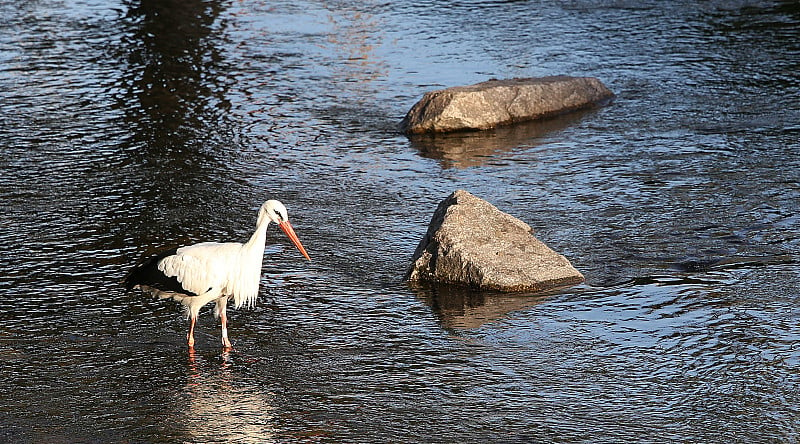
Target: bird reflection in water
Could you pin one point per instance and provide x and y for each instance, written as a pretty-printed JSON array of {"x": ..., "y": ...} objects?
[{"x": 221, "y": 406}]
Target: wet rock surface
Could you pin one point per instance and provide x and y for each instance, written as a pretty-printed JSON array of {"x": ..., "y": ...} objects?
[
  {"x": 470, "y": 242},
  {"x": 493, "y": 103}
]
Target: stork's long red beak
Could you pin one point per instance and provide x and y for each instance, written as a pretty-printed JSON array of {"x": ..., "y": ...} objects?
[{"x": 287, "y": 228}]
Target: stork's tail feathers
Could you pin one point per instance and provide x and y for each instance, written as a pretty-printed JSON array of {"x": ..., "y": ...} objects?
[{"x": 146, "y": 273}]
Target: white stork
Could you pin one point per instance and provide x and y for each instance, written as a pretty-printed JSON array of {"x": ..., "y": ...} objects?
[{"x": 210, "y": 271}]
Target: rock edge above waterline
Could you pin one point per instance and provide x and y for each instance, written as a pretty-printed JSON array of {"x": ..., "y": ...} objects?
[
  {"x": 493, "y": 103},
  {"x": 470, "y": 242}
]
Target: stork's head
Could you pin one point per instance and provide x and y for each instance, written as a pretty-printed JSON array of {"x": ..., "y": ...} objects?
[{"x": 276, "y": 212}]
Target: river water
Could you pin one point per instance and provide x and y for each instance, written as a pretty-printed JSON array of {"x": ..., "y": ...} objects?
[{"x": 127, "y": 126}]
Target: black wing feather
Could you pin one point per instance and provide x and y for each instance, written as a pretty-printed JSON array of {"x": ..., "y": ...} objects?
[{"x": 147, "y": 273}]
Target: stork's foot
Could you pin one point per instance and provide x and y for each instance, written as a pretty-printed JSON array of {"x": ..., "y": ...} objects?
[{"x": 226, "y": 344}]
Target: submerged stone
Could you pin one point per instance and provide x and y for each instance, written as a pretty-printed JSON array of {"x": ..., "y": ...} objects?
[
  {"x": 470, "y": 242},
  {"x": 493, "y": 103}
]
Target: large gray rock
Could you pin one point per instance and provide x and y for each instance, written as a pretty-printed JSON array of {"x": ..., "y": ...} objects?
[
  {"x": 489, "y": 104},
  {"x": 471, "y": 242}
]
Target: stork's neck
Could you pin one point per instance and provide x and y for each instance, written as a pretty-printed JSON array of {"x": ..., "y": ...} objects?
[{"x": 258, "y": 240}]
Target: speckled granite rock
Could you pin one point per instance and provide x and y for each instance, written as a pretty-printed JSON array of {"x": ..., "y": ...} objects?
[
  {"x": 471, "y": 242},
  {"x": 489, "y": 104}
]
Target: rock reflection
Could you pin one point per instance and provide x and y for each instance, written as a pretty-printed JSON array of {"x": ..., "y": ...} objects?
[
  {"x": 474, "y": 148},
  {"x": 465, "y": 308},
  {"x": 220, "y": 408}
]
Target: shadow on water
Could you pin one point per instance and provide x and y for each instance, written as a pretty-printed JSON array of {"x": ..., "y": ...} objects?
[
  {"x": 473, "y": 148},
  {"x": 174, "y": 87},
  {"x": 720, "y": 263},
  {"x": 172, "y": 94}
]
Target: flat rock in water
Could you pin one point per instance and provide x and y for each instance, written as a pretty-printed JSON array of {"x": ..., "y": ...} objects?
[
  {"x": 493, "y": 103},
  {"x": 471, "y": 242}
]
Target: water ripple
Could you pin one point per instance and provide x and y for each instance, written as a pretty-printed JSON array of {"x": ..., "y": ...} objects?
[{"x": 128, "y": 127}]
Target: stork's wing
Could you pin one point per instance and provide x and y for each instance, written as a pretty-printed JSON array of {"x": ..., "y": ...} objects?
[{"x": 196, "y": 268}]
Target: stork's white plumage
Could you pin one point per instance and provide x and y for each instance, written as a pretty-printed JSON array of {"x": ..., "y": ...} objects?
[{"x": 198, "y": 274}]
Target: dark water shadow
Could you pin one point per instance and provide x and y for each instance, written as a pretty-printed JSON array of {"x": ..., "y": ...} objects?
[
  {"x": 172, "y": 96},
  {"x": 174, "y": 81},
  {"x": 692, "y": 265},
  {"x": 473, "y": 148},
  {"x": 694, "y": 271}
]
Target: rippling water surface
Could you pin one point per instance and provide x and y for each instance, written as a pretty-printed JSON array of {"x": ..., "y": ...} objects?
[{"x": 127, "y": 126}]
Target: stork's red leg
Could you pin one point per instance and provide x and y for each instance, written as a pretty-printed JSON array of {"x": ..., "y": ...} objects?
[
  {"x": 224, "y": 320},
  {"x": 190, "y": 336}
]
